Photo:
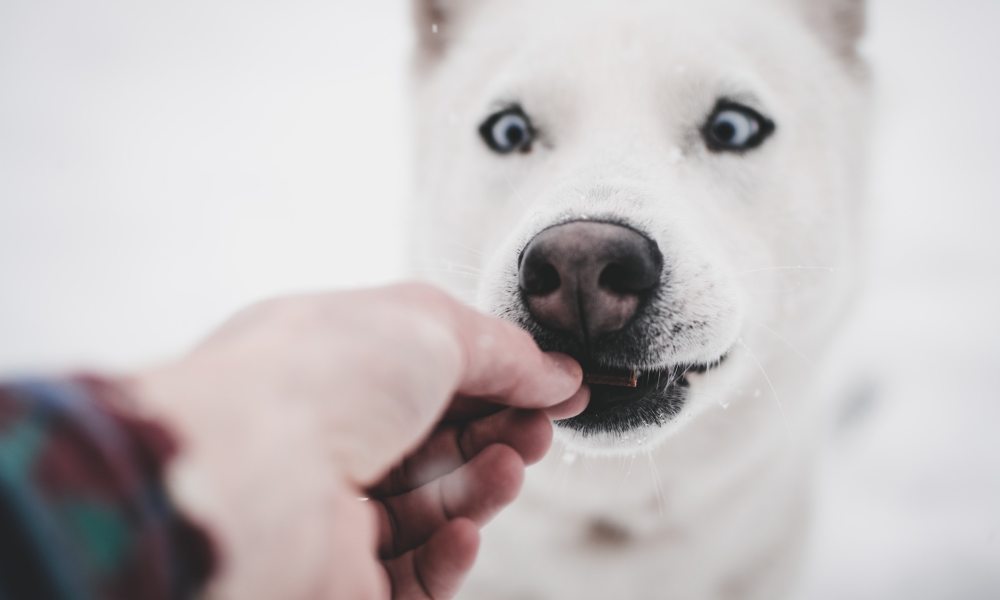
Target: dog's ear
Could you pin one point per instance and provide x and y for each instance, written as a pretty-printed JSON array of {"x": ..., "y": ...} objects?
[
  {"x": 436, "y": 21},
  {"x": 841, "y": 23}
]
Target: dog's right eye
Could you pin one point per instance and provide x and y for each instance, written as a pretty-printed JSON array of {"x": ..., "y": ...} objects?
[
  {"x": 733, "y": 127},
  {"x": 507, "y": 131}
]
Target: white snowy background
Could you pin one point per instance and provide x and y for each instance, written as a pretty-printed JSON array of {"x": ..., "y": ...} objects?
[{"x": 163, "y": 164}]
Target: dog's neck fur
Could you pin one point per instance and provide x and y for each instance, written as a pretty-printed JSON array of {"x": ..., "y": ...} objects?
[{"x": 697, "y": 517}]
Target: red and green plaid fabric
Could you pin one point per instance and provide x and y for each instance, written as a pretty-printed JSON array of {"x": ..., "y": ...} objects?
[{"x": 84, "y": 512}]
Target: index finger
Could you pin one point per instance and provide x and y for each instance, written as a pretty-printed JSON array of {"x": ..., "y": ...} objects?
[
  {"x": 489, "y": 358},
  {"x": 502, "y": 362}
]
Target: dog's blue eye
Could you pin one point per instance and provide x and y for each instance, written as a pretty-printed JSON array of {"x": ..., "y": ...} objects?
[
  {"x": 735, "y": 128},
  {"x": 507, "y": 131}
]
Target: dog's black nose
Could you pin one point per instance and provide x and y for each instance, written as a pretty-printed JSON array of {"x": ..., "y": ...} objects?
[{"x": 588, "y": 279}]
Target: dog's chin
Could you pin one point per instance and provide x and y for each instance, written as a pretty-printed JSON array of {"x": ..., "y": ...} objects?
[{"x": 625, "y": 419}]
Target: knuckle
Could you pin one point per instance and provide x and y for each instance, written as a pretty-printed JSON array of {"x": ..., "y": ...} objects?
[
  {"x": 424, "y": 295},
  {"x": 437, "y": 339},
  {"x": 408, "y": 340},
  {"x": 254, "y": 315},
  {"x": 267, "y": 306},
  {"x": 282, "y": 306}
]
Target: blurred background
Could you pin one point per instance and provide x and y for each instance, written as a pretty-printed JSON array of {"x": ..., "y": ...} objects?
[{"x": 163, "y": 164}]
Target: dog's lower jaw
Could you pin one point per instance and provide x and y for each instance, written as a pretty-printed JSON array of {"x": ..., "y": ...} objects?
[
  {"x": 643, "y": 440},
  {"x": 625, "y": 421},
  {"x": 572, "y": 444},
  {"x": 715, "y": 511}
]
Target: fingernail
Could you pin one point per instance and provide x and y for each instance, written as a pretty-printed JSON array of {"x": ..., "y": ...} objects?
[{"x": 565, "y": 364}]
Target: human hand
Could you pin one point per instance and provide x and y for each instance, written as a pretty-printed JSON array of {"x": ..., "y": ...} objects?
[{"x": 298, "y": 407}]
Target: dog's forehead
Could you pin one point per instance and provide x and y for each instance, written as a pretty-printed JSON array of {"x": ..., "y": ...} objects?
[
  {"x": 615, "y": 32},
  {"x": 596, "y": 51}
]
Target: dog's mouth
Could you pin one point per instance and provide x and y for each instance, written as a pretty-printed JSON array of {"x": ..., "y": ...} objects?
[{"x": 623, "y": 400}]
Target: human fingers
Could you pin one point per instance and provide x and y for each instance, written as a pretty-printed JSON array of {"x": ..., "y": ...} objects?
[
  {"x": 477, "y": 491},
  {"x": 571, "y": 407},
  {"x": 435, "y": 570},
  {"x": 529, "y": 433},
  {"x": 503, "y": 364},
  {"x": 499, "y": 360},
  {"x": 349, "y": 567}
]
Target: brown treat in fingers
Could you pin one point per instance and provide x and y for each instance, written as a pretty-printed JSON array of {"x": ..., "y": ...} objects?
[{"x": 628, "y": 379}]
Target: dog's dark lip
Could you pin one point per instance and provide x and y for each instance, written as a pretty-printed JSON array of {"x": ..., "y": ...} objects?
[{"x": 659, "y": 395}]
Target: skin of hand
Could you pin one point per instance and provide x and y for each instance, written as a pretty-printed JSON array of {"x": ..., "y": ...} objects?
[{"x": 351, "y": 445}]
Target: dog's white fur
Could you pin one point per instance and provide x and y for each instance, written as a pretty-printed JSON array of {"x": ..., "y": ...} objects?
[{"x": 760, "y": 248}]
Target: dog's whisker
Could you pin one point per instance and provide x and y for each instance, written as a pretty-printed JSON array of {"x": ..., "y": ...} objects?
[
  {"x": 513, "y": 189},
  {"x": 468, "y": 279},
  {"x": 631, "y": 465},
  {"x": 455, "y": 265},
  {"x": 688, "y": 370},
  {"x": 450, "y": 270},
  {"x": 567, "y": 462},
  {"x": 775, "y": 292},
  {"x": 789, "y": 268},
  {"x": 783, "y": 284},
  {"x": 774, "y": 392},
  {"x": 475, "y": 252},
  {"x": 783, "y": 340},
  {"x": 657, "y": 486}
]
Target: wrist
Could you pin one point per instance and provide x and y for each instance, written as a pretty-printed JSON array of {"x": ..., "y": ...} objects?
[
  {"x": 252, "y": 469},
  {"x": 141, "y": 453}
]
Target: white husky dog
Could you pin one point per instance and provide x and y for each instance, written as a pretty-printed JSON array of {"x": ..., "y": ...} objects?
[{"x": 667, "y": 187}]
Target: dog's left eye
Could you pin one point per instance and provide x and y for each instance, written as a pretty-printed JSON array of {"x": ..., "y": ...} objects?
[
  {"x": 507, "y": 131},
  {"x": 735, "y": 128}
]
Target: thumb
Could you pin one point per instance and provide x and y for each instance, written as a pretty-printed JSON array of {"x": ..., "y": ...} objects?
[
  {"x": 384, "y": 415},
  {"x": 427, "y": 351}
]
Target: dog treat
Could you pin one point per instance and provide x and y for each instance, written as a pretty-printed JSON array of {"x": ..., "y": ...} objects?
[{"x": 613, "y": 378}]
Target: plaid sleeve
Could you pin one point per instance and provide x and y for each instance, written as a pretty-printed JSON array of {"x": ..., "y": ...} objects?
[{"x": 84, "y": 512}]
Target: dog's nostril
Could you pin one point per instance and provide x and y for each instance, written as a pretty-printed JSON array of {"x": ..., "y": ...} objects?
[
  {"x": 588, "y": 278},
  {"x": 541, "y": 280},
  {"x": 631, "y": 275},
  {"x": 613, "y": 278},
  {"x": 626, "y": 278}
]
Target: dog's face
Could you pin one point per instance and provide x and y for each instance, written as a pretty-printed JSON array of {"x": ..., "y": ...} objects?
[{"x": 662, "y": 187}]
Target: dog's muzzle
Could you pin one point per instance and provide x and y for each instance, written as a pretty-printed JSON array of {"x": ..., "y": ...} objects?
[{"x": 588, "y": 280}]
